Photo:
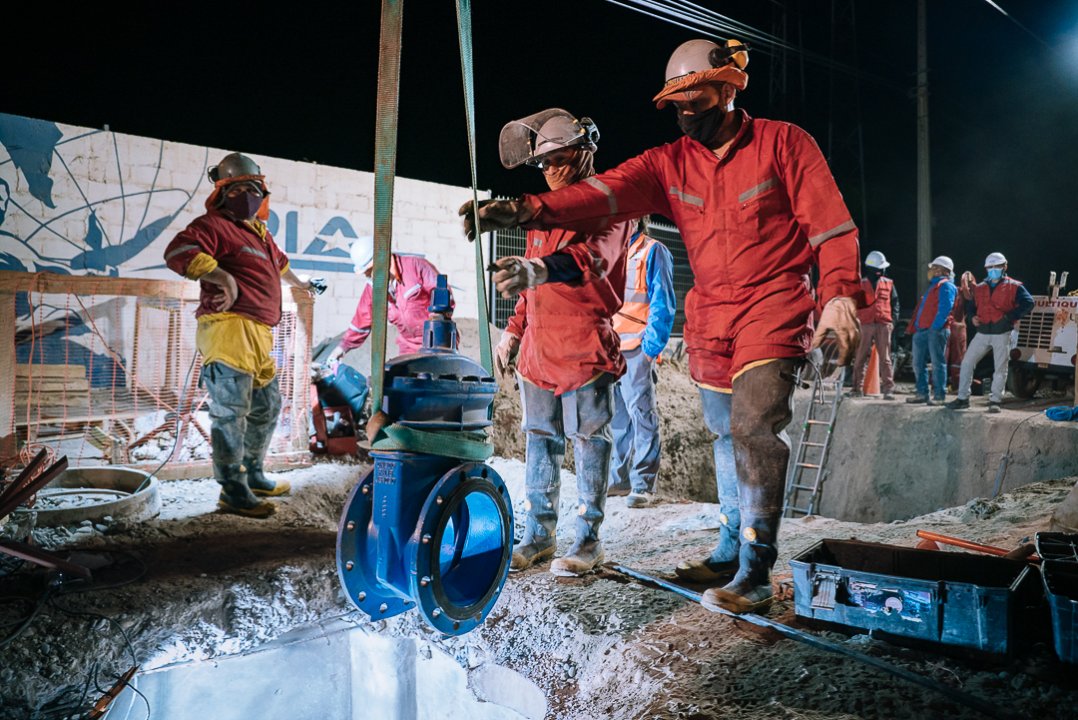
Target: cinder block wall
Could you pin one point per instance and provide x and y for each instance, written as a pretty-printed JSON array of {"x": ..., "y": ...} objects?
[{"x": 79, "y": 200}]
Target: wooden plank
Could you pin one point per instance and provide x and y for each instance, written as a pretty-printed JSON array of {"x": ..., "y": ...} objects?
[
  {"x": 44, "y": 282},
  {"x": 58, "y": 385},
  {"x": 8, "y": 441},
  {"x": 50, "y": 370}
]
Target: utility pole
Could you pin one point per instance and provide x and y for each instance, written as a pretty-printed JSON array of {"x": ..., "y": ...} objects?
[{"x": 924, "y": 195}]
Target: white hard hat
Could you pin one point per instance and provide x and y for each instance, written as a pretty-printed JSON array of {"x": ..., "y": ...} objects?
[
  {"x": 362, "y": 252},
  {"x": 944, "y": 262},
  {"x": 877, "y": 260},
  {"x": 994, "y": 259}
]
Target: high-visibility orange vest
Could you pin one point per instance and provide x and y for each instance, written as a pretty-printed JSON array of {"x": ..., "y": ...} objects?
[{"x": 631, "y": 320}]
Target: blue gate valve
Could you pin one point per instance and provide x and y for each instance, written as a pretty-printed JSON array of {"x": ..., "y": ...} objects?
[{"x": 423, "y": 529}]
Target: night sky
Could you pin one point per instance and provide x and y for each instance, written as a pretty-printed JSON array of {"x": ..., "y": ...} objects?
[{"x": 301, "y": 85}]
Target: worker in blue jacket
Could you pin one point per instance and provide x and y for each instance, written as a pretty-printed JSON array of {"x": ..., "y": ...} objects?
[{"x": 643, "y": 323}]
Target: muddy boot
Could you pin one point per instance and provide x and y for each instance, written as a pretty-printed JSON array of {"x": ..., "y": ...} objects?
[
  {"x": 750, "y": 590},
  {"x": 542, "y": 482},
  {"x": 585, "y": 555},
  {"x": 236, "y": 497},
  {"x": 1065, "y": 518},
  {"x": 262, "y": 485},
  {"x": 261, "y": 422},
  {"x": 721, "y": 565},
  {"x": 588, "y": 412},
  {"x": 760, "y": 411}
]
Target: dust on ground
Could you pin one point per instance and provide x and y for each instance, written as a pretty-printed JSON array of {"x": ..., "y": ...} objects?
[{"x": 194, "y": 584}]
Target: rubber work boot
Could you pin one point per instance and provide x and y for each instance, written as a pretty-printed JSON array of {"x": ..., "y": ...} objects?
[
  {"x": 761, "y": 410},
  {"x": 640, "y": 500},
  {"x": 994, "y": 407},
  {"x": 531, "y": 553},
  {"x": 1065, "y": 518},
  {"x": 618, "y": 490},
  {"x": 723, "y": 561},
  {"x": 958, "y": 404},
  {"x": 236, "y": 497},
  {"x": 918, "y": 400},
  {"x": 262, "y": 485},
  {"x": 585, "y": 555},
  {"x": 542, "y": 484},
  {"x": 750, "y": 590}
]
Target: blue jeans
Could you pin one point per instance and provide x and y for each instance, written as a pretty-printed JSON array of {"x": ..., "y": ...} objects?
[
  {"x": 717, "y": 419},
  {"x": 634, "y": 463},
  {"x": 583, "y": 415},
  {"x": 929, "y": 344}
]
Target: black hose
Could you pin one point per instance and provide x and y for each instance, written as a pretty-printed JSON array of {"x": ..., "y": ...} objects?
[{"x": 957, "y": 696}]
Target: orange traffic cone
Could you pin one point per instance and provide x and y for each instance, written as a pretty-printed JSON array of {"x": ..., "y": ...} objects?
[{"x": 872, "y": 374}]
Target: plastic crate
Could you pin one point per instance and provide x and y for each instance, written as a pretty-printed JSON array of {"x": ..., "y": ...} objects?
[
  {"x": 1059, "y": 569},
  {"x": 1057, "y": 546},
  {"x": 972, "y": 601}
]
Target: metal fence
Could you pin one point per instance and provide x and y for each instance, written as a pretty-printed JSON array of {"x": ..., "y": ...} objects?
[{"x": 512, "y": 242}]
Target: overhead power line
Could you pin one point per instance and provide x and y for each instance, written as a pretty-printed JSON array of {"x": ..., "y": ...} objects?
[
  {"x": 715, "y": 25},
  {"x": 1013, "y": 20}
]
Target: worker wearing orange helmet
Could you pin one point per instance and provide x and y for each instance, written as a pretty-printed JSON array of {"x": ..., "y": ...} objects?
[{"x": 757, "y": 208}]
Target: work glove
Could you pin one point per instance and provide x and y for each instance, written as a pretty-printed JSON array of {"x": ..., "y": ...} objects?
[
  {"x": 839, "y": 316},
  {"x": 495, "y": 215},
  {"x": 515, "y": 274},
  {"x": 968, "y": 281},
  {"x": 505, "y": 355}
]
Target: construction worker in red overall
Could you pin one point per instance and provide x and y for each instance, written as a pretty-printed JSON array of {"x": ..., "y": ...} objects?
[
  {"x": 412, "y": 279},
  {"x": 240, "y": 268},
  {"x": 757, "y": 208},
  {"x": 643, "y": 323},
  {"x": 877, "y": 325},
  {"x": 563, "y": 343}
]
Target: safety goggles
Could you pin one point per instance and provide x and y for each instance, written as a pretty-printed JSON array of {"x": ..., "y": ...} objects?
[{"x": 555, "y": 158}]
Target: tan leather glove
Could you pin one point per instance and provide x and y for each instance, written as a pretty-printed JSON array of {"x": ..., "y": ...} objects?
[
  {"x": 495, "y": 215},
  {"x": 505, "y": 355},
  {"x": 840, "y": 317},
  {"x": 516, "y": 274}
]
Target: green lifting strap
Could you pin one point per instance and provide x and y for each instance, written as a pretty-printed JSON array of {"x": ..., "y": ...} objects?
[
  {"x": 385, "y": 169},
  {"x": 464, "y": 30},
  {"x": 464, "y": 445}
]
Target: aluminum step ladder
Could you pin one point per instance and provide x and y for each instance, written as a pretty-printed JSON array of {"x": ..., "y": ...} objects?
[{"x": 808, "y": 465}]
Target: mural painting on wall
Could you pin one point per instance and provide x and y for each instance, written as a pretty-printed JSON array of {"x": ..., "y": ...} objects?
[{"x": 83, "y": 201}]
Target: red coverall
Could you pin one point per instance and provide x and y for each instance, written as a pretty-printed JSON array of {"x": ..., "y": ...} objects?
[{"x": 754, "y": 222}]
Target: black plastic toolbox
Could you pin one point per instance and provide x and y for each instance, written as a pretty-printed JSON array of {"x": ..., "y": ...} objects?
[
  {"x": 986, "y": 603},
  {"x": 1059, "y": 569}
]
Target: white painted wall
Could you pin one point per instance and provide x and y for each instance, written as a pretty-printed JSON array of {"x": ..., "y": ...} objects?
[{"x": 80, "y": 200}]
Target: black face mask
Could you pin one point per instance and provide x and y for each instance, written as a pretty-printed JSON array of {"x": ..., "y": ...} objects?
[
  {"x": 243, "y": 206},
  {"x": 702, "y": 126}
]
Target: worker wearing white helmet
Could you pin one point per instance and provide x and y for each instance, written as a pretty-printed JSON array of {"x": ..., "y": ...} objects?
[
  {"x": 412, "y": 279},
  {"x": 877, "y": 325},
  {"x": 930, "y": 327},
  {"x": 996, "y": 305}
]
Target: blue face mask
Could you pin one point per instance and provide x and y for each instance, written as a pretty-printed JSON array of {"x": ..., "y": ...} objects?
[{"x": 995, "y": 273}]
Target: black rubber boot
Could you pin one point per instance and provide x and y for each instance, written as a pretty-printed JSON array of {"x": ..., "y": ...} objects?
[
  {"x": 262, "y": 485},
  {"x": 761, "y": 409},
  {"x": 750, "y": 590},
  {"x": 236, "y": 497},
  {"x": 261, "y": 422}
]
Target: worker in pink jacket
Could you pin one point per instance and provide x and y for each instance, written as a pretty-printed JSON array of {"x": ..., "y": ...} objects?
[{"x": 411, "y": 282}]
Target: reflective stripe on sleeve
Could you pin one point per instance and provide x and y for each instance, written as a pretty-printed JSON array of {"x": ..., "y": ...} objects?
[
  {"x": 598, "y": 184},
  {"x": 827, "y": 235}
]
